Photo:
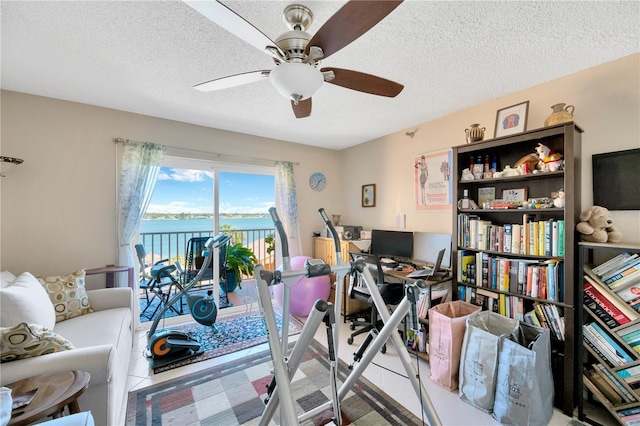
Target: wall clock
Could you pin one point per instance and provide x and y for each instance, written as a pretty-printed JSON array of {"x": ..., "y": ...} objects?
[{"x": 317, "y": 181}]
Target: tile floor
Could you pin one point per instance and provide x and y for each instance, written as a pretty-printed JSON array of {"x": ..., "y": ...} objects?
[{"x": 386, "y": 372}]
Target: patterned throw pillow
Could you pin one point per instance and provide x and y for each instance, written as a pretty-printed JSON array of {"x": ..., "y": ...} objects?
[
  {"x": 68, "y": 295},
  {"x": 28, "y": 341}
]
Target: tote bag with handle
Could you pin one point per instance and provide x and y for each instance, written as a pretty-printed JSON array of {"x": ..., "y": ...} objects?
[
  {"x": 447, "y": 324},
  {"x": 479, "y": 358},
  {"x": 524, "y": 383}
]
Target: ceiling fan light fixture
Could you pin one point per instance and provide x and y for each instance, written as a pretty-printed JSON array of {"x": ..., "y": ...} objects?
[{"x": 296, "y": 81}]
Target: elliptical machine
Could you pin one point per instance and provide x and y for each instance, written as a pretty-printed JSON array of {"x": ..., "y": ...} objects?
[{"x": 168, "y": 346}]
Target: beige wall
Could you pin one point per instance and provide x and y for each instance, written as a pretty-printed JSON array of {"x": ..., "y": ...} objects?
[
  {"x": 607, "y": 107},
  {"x": 57, "y": 208}
]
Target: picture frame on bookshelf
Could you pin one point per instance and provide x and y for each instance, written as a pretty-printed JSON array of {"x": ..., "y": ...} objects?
[
  {"x": 515, "y": 194},
  {"x": 512, "y": 119},
  {"x": 487, "y": 193}
]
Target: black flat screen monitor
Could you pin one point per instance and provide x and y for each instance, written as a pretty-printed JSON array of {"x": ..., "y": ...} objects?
[
  {"x": 426, "y": 246},
  {"x": 615, "y": 180},
  {"x": 395, "y": 244}
]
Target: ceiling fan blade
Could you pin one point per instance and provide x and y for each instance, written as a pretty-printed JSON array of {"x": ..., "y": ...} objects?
[
  {"x": 303, "y": 109},
  {"x": 350, "y": 22},
  {"x": 232, "y": 81},
  {"x": 362, "y": 82},
  {"x": 235, "y": 24}
]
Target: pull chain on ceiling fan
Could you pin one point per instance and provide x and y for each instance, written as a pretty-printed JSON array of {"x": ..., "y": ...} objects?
[{"x": 297, "y": 54}]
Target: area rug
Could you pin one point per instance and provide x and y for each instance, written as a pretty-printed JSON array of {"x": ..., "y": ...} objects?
[
  {"x": 230, "y": 334},
  {"x": 233, "y": 394}
]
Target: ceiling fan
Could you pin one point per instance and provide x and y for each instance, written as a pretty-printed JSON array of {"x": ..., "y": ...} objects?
[{"x": 297, "y": 54}]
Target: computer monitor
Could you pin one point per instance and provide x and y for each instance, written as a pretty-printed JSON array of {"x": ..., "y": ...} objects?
[
  {"x": 426, "y": 246},
  {"x": 395, "y": 244}
]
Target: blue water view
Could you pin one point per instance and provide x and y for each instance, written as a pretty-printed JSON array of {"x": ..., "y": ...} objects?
[{"x": 171, "y": 236}]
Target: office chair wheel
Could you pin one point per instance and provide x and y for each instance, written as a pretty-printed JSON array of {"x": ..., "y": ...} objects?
[
  {"x": 352, "y": 326},
  {"x": 383, "y": 350},
  {"x": 350, "y": 340}
]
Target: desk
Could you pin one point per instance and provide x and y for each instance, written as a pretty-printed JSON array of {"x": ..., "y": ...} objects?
[
  {"x": 111, "y": 270},
  {"x": 55, "y": 392}
]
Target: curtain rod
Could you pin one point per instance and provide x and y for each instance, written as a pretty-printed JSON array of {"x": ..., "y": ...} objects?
[{"x": 220, "y": 156}]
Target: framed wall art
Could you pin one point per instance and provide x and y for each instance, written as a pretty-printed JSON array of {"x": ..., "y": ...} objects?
[
  {"x": 369, "y": 195},
  {"x": 511, "y": 119},
  {"x": 432, "y": 180}
]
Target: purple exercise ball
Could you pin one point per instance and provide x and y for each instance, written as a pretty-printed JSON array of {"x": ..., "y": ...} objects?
[{"x": 304, "y": 291}]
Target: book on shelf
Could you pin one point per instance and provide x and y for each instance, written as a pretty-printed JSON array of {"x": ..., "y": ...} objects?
[
  {"x": 606, "y": 352},
  {"x": 631, "y": 420},
  {"x": 622, "y": 272},
  {"x": 603, "y": 300},
  {"x": 597, "y": 380},
  {"x": 610, "y": 264},
  {"x": 619, "y": 387},
  {"x": 626, "y": 281},
  {"x": 630, "y": 375},
  {"x": 619, "y": 267},
  {"x": 629, "y": 411},
  {"x": 618, "y": 350},
  {"x": 599, "y": 311},
  {"x": 613, "y": 299},
  {"x": 629, "y": 294}
]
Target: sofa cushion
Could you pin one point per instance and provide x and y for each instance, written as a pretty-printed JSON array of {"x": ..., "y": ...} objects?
[
  {"x": 6, "y": 278},
  {"x": 68, "y": 295},
  {"x": 24, "y": 300},
  {"x": 29, "y": 340}
]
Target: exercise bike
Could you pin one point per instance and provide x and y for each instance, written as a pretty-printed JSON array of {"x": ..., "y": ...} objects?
[{"x": 168, "y": 346}]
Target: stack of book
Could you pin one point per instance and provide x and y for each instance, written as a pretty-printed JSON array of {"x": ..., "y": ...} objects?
[
  {"x": 631, "y": 335},
  {"x": 527, "y": 277},
  {"x": 531, "y": 237},
  {"x": 612, "y": 311},
  {"x": 622, "y": 275},
  {"x": 609, "y": 385},
  {"x": 605, "y": 346}
]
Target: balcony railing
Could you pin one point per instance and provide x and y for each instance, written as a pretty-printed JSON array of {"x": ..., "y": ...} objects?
[{"x": 173, "y": 245}]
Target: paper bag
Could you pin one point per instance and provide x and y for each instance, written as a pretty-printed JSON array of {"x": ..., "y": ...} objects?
[
  {"x": 479, "y": 358},
  {"x": 524, "y": 384},
  {"x": 447, "y": 324}
]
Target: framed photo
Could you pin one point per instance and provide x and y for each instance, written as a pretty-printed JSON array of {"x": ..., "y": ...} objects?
[
  {"x": 486, "y": 194},
  {"x": 369, "y": 195},
  {"x": 512, "y": 119},
  {"x": 514, "y": 194}
]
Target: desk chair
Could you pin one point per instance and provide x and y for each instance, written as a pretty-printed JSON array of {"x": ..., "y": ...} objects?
[
  {"x": 158, "y": 280},
  {"x": 392, "y": 294}
]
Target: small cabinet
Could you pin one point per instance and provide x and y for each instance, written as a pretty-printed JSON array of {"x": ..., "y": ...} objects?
[{"x": 323, "y": 248}]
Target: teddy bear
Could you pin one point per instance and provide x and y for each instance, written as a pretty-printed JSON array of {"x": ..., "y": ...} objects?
[{"x": 596, "y": 226}]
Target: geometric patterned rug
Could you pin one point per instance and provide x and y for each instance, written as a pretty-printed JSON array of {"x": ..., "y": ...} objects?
[
  {"x": 231, "y": 333},
  {"x": 233, "y": 394}
]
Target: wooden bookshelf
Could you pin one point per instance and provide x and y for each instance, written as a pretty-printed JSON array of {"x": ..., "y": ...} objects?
[
  {"x": 509, "y": 150},
  {"x": 612, "y": 316}
]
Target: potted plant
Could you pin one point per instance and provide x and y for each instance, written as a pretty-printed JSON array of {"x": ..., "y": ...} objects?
[
  {"x": 270, "y": 241},
  {"x": 240, "y": 261}
]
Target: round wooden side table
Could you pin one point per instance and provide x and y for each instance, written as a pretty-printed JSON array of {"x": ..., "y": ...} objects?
[{"x": 55, "y": 392}]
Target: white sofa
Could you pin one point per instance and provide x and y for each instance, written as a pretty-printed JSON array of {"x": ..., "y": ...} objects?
[{"x": 103, "y": 341}]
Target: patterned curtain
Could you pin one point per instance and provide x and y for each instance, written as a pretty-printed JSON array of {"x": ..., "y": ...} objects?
[
  {"x": 287, "y": 206},
  {"x": 140, "y": 167}
]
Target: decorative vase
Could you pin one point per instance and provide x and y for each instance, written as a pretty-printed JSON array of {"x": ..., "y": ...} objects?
[
  {"x": 475, "y": 133},
  {"x": 560, "y": 114}
]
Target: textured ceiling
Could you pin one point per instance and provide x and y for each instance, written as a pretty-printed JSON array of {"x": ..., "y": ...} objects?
[{"x": 145, "y": 56}]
